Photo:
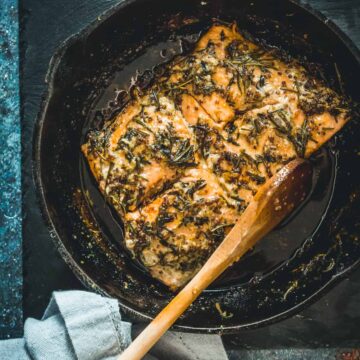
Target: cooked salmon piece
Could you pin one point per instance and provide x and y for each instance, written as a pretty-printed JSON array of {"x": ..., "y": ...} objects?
[
  {"x": 145, "y": 148},
  {"x": 176, "y": 232},
  {"x": 181, "y": 162}
]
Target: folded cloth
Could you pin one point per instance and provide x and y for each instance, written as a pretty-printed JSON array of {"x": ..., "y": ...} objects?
[{"x": 86, "y": 326}]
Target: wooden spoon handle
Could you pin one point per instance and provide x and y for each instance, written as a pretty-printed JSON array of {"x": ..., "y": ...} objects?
[
  {"x": 272, "y": 203},
  {"x": 166, "y": 318}
]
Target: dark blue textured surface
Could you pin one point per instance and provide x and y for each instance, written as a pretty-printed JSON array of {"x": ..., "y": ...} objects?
[{"x": 10, "y": 192}]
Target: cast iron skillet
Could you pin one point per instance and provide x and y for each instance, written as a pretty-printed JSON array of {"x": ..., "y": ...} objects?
[{"x": 288, "y": 269}]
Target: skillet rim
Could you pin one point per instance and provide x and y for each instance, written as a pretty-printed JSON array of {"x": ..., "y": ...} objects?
[{"x": 85, "y": 279}]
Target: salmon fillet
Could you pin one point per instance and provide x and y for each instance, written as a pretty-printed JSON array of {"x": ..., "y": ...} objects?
[{"x": 183, "y": 159}]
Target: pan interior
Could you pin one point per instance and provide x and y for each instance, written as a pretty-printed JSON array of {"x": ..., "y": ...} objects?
[{"x": 286, "y": 268}]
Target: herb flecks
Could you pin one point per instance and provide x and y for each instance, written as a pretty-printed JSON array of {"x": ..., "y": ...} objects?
[
  {"x": 141, "y": 122},
  {"x": 280, "y": 121},
  {"x": 184, "y": 155},
  {"x": 301, "y": 139},
  {"x": 176, "y": 150},
  {"x": 257, "y": 178},
  {"x": 205, "y": 138},
  {"x": 256, "y": 58},
  {"x": 217, "y": 233},
  {"x": 198, "y": 185},
  {"x": 283, "y": 124}
]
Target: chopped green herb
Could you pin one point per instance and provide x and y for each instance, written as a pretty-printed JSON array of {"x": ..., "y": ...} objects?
[{"x": 257, "y": 178}]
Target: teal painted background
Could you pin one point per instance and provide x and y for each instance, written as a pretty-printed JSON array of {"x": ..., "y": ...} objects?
[{"x": 10, "y": 174}]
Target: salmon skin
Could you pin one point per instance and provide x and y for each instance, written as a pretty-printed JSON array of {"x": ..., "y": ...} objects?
[{"x": 181, "y": 162}]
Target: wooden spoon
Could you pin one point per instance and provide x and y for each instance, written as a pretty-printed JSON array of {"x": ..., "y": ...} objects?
[{"x": 275, "y": 199}]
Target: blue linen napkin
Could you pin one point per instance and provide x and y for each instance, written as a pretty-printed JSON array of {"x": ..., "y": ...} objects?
[{"x": 86, "y": 326}]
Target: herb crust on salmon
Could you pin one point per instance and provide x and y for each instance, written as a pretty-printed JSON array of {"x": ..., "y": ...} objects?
[{"x": 183, "y": 159}]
